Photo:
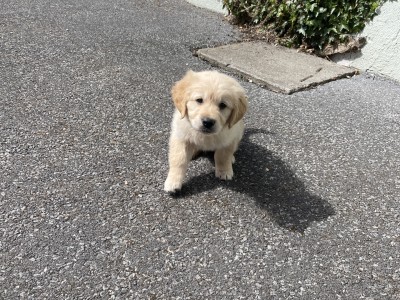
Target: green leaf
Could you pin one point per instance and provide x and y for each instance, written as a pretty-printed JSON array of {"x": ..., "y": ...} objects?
[{"x": 302, "y": 31}]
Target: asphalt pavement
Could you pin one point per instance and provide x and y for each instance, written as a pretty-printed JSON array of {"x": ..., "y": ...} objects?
[{"x": 313, "y": 211}]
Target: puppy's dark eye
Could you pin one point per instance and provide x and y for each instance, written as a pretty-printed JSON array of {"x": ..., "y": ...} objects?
[
  {"x": 199, "y": 100},
  {"x": 222, "y": 105}
]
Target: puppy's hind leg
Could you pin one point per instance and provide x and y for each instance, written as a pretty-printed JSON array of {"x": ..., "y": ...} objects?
[{"x": 180, "y": 153}]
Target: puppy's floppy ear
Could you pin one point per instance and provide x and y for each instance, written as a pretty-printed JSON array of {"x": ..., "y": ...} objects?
[
  {"x": 179, "y": 92},
  {"x": 239, "y": 109}
]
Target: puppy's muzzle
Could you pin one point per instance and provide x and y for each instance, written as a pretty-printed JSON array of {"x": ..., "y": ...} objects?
[{"x": 208, "y": 125}]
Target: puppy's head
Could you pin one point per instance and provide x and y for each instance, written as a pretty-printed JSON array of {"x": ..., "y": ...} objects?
[{"x": 210, "y": 100}]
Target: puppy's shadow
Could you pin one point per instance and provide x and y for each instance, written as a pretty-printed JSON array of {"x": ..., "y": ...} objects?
[{"x": 266, "y": 178}]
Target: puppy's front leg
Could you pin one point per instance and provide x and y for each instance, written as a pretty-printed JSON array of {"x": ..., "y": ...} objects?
[
  {"x": 223, "y": 162},
  {"x": 180, "y": 153}
]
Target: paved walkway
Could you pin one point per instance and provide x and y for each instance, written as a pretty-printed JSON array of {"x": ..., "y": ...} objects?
[{"x": 312, "y": 213}]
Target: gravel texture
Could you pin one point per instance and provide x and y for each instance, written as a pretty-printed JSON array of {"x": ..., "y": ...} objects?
[{"x": 312, "y": 213}]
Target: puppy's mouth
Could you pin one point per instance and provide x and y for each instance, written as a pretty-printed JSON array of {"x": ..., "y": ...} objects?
[{"x": 207, "y": 130}]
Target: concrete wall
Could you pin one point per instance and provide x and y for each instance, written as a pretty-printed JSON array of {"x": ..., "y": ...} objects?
[
  {"x": 380, "y": 55},
  {"x": 214, "y": 5}
]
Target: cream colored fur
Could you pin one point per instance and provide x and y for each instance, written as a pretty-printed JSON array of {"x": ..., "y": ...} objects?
[{"x": 201, "y": 97}]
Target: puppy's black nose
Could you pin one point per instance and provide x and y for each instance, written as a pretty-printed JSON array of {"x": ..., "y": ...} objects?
[{"x": 208, "y": 123}]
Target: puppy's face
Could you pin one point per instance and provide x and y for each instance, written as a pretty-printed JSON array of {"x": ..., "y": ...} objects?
[
  {"x": 210, "y": 100},
  {"x": 208, "y": 111}
]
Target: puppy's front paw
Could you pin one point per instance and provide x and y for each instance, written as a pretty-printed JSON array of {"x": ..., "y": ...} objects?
[
  {"x": 224, "y": 174},
  {"x": 172, "y": 185}
]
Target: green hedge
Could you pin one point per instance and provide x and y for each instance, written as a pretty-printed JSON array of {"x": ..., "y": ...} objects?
[{"x": 313, "y": 23}]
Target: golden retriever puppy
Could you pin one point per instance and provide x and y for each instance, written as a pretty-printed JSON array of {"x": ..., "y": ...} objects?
[{"x": 208, "y": 117}]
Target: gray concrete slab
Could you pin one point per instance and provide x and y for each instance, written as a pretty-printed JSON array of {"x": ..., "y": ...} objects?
[{"x": 278, "y": 68}]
